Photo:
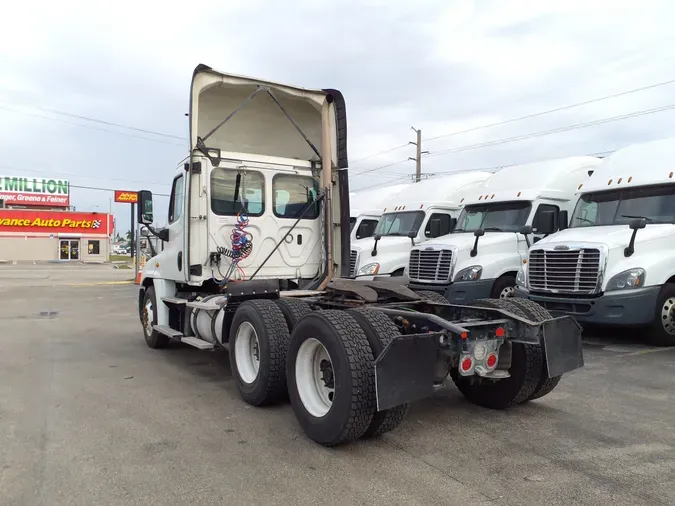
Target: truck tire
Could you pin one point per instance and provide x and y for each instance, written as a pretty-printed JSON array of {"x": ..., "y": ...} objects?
[
  {"x": 153, "y": 338},
  {"x": 293, "y": 310},
  {"x": 330, "y": 377},
  {"x": 662, "y": 330},
  {"x": 525, "y": 371},
  {"x": 380, "y": 331},
  {"x": 432, "y": 296},
  {"x": 258, "y": 344},
  {"x": 504, "y": 287},
  {"x": 537, "y": 313}
]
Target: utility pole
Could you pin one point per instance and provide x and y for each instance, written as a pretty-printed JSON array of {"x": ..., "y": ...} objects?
[{"x": 418, "y": 158}]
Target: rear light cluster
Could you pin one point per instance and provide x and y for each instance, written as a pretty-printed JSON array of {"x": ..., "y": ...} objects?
[{"x": 481, "y": 358}]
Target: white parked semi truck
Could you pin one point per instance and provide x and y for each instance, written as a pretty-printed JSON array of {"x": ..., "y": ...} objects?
[
  {"x": 614, "y": 265},
  {"x": 366, "y": 208},
  {"x": 424, "y": 211},
  {"x": 257, "y": 240},
  {"x": 517, "y": 205}
]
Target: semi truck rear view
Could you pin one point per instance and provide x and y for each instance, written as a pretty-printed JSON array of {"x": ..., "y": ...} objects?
[{"x": 256, "y": 261}]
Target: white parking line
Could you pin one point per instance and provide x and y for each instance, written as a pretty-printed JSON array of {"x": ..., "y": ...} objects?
[{"x": 14, "y": 262}]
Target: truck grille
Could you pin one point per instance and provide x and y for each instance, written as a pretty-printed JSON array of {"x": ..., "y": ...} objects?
[
  {"x": 352, "y": 262},
  {"x": 430, "y": 265},
  {"x": 571, "y": 271}
]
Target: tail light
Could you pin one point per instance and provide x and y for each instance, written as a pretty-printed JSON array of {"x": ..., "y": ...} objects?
[
  {"x": 466, "y": 365},
  {"x": 491, "y": 361}
]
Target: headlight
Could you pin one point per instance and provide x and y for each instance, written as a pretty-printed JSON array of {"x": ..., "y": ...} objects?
[
  {"x": 520, "y": 277},
  {"x": 632, "y": 278},
  {"x": 369, "y": 269},
  {"x": 469, "y": 274}
]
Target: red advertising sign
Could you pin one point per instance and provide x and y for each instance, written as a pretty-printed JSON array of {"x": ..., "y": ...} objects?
[
  {"x": 54, "y": 222},
  {"x": 34, "y": 191},
  {"x": 126, "y": 197}
]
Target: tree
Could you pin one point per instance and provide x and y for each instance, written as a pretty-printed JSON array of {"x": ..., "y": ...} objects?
[{"x": 128, "y": 235}]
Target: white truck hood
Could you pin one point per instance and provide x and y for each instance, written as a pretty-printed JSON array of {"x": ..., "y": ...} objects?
[
  {"x": 614, "y": 236},
  {"x": 392, "y": 253},
  {"x": 465, "y": 241}
]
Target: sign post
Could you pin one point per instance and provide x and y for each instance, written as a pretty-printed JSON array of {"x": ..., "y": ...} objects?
[{"x": 130, "y": 197}]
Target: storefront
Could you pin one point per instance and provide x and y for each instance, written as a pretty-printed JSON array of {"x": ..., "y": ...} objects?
[{"x": 54, "y": 235}]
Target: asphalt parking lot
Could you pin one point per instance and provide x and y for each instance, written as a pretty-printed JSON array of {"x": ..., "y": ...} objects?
[{"x": 90, "y": 415}]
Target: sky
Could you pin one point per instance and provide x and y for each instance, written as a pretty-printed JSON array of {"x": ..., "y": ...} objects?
[{"x": 442, "y": 66}]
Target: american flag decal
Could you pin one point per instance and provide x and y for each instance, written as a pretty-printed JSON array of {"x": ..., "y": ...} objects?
[{"x": 96, "y": 224}]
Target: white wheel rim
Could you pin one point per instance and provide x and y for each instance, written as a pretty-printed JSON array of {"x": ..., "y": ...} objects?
[
  {"x": 314, "y": 377},
  {"x": 668, "y": 316},
  {"x": 507, "y": 292},
  {"x": 149, "y": 316},
  {"x": 247, "y": 352}
]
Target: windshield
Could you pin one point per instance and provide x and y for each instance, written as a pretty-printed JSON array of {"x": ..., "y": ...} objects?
[
  {"x": 620, "y": 207},
  {"x": 497, "y": 217},
  {"x": 399, "y": 223}
]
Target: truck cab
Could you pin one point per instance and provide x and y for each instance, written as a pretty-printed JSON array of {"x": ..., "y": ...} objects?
[
  {"x": 366, "y": 209},
  {"x": 424, "y": 211},
  {"x": 614, "y": 265},
  {"x": 516, "y": 205}
]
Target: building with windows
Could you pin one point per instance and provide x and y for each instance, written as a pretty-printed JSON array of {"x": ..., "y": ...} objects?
[{"x": 36, "y": 223}]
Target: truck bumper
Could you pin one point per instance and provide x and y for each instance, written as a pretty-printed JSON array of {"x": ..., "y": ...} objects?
[
  {"x": 634, "y": 307},
  {"x": 462, "y": 292}
]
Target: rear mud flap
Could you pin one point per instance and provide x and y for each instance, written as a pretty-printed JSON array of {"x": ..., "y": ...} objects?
[
  {"x": 404, "y": 371},
  {"x": 561, "y": 338}
]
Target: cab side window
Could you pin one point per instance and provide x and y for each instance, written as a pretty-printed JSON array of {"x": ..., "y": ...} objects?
[
  {"x": 445, "y": 225},
  {"x": 176, "y": 203},
  {"x": 544, "y": 207}
]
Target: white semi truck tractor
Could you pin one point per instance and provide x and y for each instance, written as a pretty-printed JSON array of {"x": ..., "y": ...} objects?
[
  {"x": 256, "y": 260},
  {"x": 518, "y": 205},
  {"x": 614, "y": 265},
  {"x": 422, "y": 212},
  {"x": 366, "y": 209}
]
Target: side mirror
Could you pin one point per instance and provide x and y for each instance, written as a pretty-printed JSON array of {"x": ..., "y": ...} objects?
[
  {"x": 412, "y": 234},
  {"x": 546, "y": 222},
  {"x": 638, "y": 223},
  {"x": 525, "y": 230},
  {"x": 453, "y": 224},
  {"x": 163, "y": 235},
  {"x": 479, "y": 232},
  {"x": 362, "y": 230},
  {"x": 563, "y": 220},
  {"x": 435, "y": 228},
  {"x": 145, "y": 215}
]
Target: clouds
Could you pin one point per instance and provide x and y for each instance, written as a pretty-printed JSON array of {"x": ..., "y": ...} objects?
[{"x": 442, "y": 66}]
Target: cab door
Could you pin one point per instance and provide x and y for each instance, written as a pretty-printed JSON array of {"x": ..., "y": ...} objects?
[{"x": 172, "y": 259}]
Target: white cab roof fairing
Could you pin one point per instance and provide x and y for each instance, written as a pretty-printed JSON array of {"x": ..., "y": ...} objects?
[
  {"x": 643, "y": 164},
  {"x": 259, "y": 126},
  {"x": 445, "y": 191},
  {"x": 371, "y": 201},
  {"x": 557, "y": 179}
]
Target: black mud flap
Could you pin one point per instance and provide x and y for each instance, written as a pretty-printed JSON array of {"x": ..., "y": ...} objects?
[
  {"x": 404, "y": 371},
  {"x": 562, "y": 344}
]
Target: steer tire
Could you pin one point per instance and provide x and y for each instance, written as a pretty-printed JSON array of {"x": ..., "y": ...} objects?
[
  {"x": 526, "y": 371},
  {"x": 537, "y": 313},
  {"x": 380, "y": 331},
  {"x": 153, "y": 339},
  {"x": 269, "y": 385},
  {"x": 293, "y": 310},
  {"x": 432, "y": 296},
  {"x": 662, "y": 330},
  {"x": 352, "y": 405}
]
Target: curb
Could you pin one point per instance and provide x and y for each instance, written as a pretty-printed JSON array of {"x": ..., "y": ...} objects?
[{"x": 100, "y": 283}]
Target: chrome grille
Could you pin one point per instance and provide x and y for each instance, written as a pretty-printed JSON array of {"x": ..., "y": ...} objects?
[
  {"x": 571, "y": 271},
  {"x": 430, "y": 265},
  {"x": 352, "y": 262}
]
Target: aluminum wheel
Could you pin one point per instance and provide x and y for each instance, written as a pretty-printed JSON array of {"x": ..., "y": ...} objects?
[
  {"x": 668, "y": 316},
  {"x": 247, "y": 352},
  {"x": 509, "y": 291},
  {"x": 314, "y": 377},
  {"x": 148, "y": 317}
]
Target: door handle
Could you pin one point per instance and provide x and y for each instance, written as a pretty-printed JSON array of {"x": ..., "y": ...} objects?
[{"x": 180, "y": 261}]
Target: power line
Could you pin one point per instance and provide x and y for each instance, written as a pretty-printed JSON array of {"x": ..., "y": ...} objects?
[
  {"x": 555, "y": 130},
  {"x": 533, "y": 135},
  {"x": 111, "y": 189},
  {"x": 91, "y": 127},
  {"x": 87, "y": 118},
  {"x": 527, "y": 116},
  {"x": 71, "y": 174}
]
